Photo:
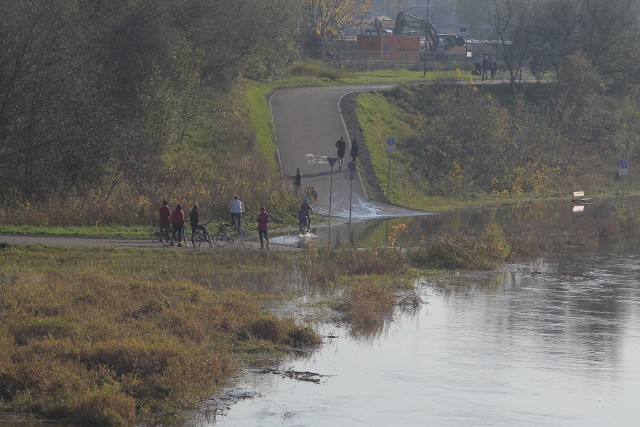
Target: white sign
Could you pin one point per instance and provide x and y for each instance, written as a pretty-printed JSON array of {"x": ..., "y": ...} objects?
[{"x": 391, "y": 145}]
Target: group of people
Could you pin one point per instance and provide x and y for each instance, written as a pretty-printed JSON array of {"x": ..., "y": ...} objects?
[
  {"x": 174, "y": 220},
  {"x": 484, "y": 65},
  {"x": 341, "y": 145}
]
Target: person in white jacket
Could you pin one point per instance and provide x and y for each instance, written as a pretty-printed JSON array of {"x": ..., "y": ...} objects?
[{"x": 237, "y": 209}]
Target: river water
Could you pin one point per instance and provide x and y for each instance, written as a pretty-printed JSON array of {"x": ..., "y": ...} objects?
[{"x": 555, "y": 342}]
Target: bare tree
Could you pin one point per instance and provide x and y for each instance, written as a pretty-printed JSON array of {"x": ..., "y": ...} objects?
[{"x": 515, "y": 23}]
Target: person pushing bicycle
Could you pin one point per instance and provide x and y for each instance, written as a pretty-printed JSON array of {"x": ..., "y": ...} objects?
[{"x": 304, "y": 215}]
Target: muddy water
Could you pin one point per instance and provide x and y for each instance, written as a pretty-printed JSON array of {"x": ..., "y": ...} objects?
[{"x": 543, "y": 344}]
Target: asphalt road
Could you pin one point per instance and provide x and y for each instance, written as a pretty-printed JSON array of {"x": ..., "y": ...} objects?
[{"x": 308, "y": 123}]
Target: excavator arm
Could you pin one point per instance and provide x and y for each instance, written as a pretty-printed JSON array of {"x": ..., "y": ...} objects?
[{"x": 434, "y": 40}]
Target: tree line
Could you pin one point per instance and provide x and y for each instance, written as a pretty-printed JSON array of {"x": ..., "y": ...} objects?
[{"x": 95, "y": 93}]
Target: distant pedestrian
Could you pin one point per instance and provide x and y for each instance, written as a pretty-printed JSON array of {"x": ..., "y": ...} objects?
[
  {"x": 177, "y": 220},
  {"x": 263, "y": 223},
  {"x": 298, "y": 180},
  {"x": 478, "y": 65},
  {"x": 341, "y": 145},
  {"x": 354, "y": 149},
  {"x": 493, "y": 67},
  {"x": 485, "y": 68}
]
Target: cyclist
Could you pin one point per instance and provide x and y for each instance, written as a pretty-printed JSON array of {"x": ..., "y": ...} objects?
[
  {"x": 237, "y": 209},
  {"x": 165, "y": 219},
  {"x": 177, "y": 220},
  {"x": 304, "y": 215},
  {"x": 341, "y": 145}
]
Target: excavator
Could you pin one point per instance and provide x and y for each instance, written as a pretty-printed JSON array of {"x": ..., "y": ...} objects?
[{"x": 434, "y": 42}]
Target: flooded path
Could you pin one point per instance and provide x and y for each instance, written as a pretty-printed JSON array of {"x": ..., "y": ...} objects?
[{"x": 552, "y": 343}]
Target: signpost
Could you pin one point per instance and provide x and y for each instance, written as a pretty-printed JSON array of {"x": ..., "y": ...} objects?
[
  {"x": 391, "y": 147},
  {"x": 623, "y": 170},
  {"x": 352, "y": 168},
  {"x": 332, "y": 162}
]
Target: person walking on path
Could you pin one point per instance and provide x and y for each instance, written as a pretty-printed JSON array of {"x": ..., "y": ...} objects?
[
  {"x": 237, "y": 209},
  {"x": 485, "y": 68},
  {"x": 263, "y": 223},
  {"x": 341, "y": 145},
  {"x": 493, "y": 67},
  {"x": 354, "y": 149},
  {"x": 298, "y": 180},
  {"x": 177, "y": 220}
]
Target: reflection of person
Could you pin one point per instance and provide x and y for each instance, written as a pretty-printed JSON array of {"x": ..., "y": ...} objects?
[
  {"x": 298, "y": 182},
  {"x": 341, "y": 145},
  {"x": 237, "y": 209},
  {"x": 263, "y": 222},
  {"x": 177, "y": 220},
  {"x": 354, "y": 149}
]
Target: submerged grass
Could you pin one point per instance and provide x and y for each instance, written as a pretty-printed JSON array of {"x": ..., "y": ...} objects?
[{"x": 119, "y": 336}]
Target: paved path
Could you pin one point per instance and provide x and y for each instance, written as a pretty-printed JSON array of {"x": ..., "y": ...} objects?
[{"x": 308, "y": 123}]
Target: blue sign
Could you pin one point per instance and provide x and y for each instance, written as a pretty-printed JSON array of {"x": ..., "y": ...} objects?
[
  {"x": 391, "y": 145},
  {"x": 623, "y": 169}
]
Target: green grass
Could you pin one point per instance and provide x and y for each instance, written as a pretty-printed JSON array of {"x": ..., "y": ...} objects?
[{"x": 112, "y": 231}]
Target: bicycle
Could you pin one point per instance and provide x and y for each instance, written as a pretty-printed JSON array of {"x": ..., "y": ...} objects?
[
  {"x": 305, "y": 226},
  {"x": 159, "y": 234},
  {"x": 222, "y": 237},
  {"x": 201, "y": 236},
  {"x": 173, "y": 239}
]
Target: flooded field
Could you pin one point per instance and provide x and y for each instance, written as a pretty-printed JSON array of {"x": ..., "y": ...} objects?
[{"x": 555, "y": 342}]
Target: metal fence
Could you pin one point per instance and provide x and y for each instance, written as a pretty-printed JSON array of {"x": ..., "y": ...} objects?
[{"x": 378, "y": 60}]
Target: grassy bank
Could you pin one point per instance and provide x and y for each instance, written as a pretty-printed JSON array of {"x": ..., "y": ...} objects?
[{"x": 123, "y": 336}]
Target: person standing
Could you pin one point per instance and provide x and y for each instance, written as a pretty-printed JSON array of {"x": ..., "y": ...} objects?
[
  {"x": 194, "y": 218},
  {"x": 354, "y": 149},
  {"x": 341, "y": 145},
  {"x": 298, "y": 180},
  {"x": 165, "y": 220},
  {"x": 263, "y": 222},
  {"x": 493, "y": 67},
  {"x": 478, "y": 65},
  {"x": 485, "y": 68},
  {"x": 177, "y": 220},
  {"x": 237, "y": 209}
]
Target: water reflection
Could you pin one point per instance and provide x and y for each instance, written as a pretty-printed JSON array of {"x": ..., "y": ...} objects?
[{"x": 555, "y": 342}]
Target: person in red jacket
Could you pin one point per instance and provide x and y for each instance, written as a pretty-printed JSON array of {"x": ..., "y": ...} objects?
[
  {"x": 177, "y": 220},
  {"x": 263, "y": 222}
]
